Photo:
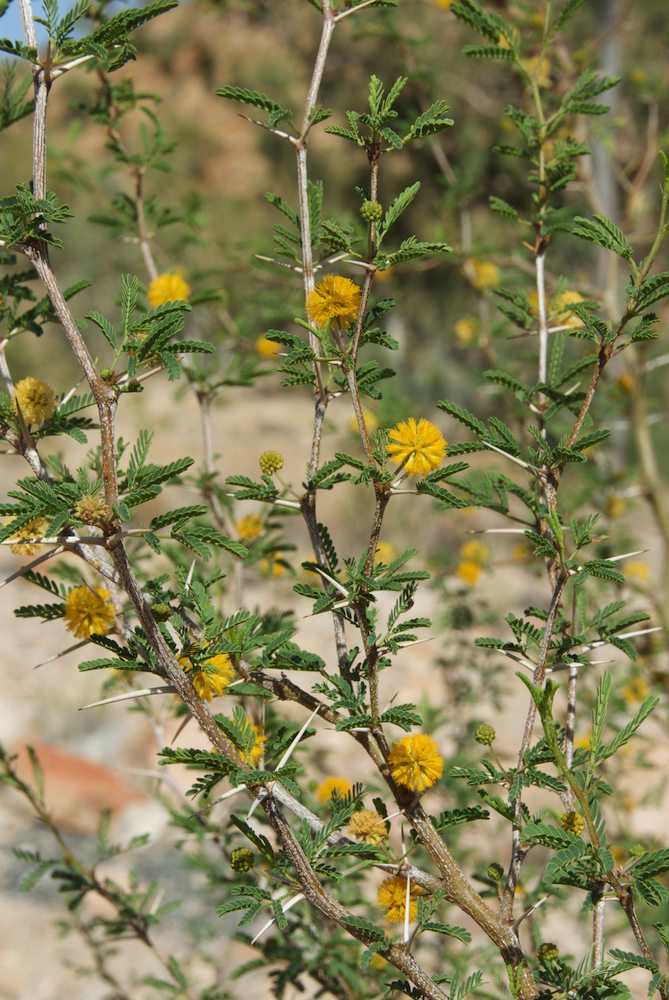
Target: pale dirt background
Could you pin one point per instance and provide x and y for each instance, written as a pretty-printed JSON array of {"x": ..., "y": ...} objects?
[{"x": 89, "y": 756}]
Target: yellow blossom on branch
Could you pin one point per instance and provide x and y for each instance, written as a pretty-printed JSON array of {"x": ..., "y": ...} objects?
[
  {"x": 168, "y": 287},
  {"x": 368, "y": 826},
  {"x": 89, "y": 611},
  {"x": 638, "y": 569},
  {"x": 211, "y": 677},
  {"x": 385, "y": 553},
  {"x": 266, "y": 348},
  {"x": 481, "y": 274},
  {"x": 333, "y": 785},
  {"x": 255, "y": 754},
  {"x": 250, "y": 528},
  {"x": 35, "y": 399},
  {"x": 467, "y": 328},
  {"x": 392, "y": 896},
  {"x": 635, "y": 690},
  {"x": 334, "y": 298},
  {"x": 418, "y": 447},
  {"x": 468, "y": 571},
  {"x": 415, "y": 762},
  {"x": 23, "y": 542},
  {"x": 475, "y": 550}
]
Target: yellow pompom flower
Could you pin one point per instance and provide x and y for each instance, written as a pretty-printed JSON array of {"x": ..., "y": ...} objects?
[
  {"x": 392, "y": 896},
  {"x": 270, "y": 462},
  {"x": 89, "y": 611},
  {"x": 560, "y": 309},
  {"x": 467, "y": 328},
  {"x": 481, "y": 274},
  {"x": 418, "y": 447},
  {"x": 333, "y": 785},
  {"x": 271, "y": 567},
  {"x": 638, "y": 569},
  {"x": 539, "y": 69},
  {"x": 368, "y": 826},
  {"x": 475, "y": 550},
  {"x": 211, "y": 677},
  {"x": 35, "y": 399},
  {"x": 385, "y": 553},
  {"x": 468, "y": 571},
  {"x": 334, "y": 298},
  {"x": 266, "y": 348},
  {"x": 635, "y": 690},
  {"x": 371, "y": 421},
  {"x": 415, "y": 762},
  {"x": 93, "y": 509},
  {"x": 626, "y": 383},
  {"x": 23, "y": 541},
  {"x": 572, "y": 822},
  {"x": 250, "y": 528},
  {"x": 255, "y": 755},
  {"x": 168, "y": 287}
]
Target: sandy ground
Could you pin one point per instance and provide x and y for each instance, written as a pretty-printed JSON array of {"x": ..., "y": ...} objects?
[{"x": 89, "y": 756}]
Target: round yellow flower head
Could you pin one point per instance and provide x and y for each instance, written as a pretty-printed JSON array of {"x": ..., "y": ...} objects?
[
  {"x": 334, "y": 298},
  {"x": 392, "y": 896},
  {"x": 266, "y": 348},
  {"x": 467, "y": 328},
  {"x": 560, "y": 309},
  {"x": 255, "y": 755},
  {"x": 385, "y": 553},
  {"x": 443, "y": 3},
  {"x": 639, "y": 569},
  {"x": 635, "y": 690},
  {"x": 250, "y": 528},
  {"x": 482, "y": 274},
  {"x": 418, "y": 447},
  {"x": 572, "y": 822},
  {"x": 330, "y": 786},
  {"x": 211, "y": 677},
  {"x": 371, "y": 420},
  {"x": 270, "y": 462},
  {"x": 626, "y": 383},
  {"x": 539, "y": 68},
  {"x": 468, "y": 572},
  {"x": 415, "y": 762},
  {"x": 475, "y": 550},
  {"x": 368, "y": 826},
  {"x": 35, "y": 399},
  {"x": 168, "y": 287},
  {"x": 23, "y": 542},
  {"x": 94, "y": 510},
  {"x": 89, "y": 611},
  {"x": 271, "y": 567}
]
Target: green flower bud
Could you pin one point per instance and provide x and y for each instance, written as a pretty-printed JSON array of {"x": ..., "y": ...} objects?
[
  {"x": 572, "y": 822},
  {"x": 161, "y": 612},
  {"x": 548, "y": 952},
  {"x": 637, "y": 851},
  {"x": 371, "y": 211},
  {"x": 485, "y": 735},
  {"x": 270, "y": 462},
  {"x": 242, "y": 859},
  {"x": 495, "y": 872}
]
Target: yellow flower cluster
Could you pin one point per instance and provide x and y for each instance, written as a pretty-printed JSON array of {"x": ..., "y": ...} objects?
[
  {"x": 23, "y": 541},
  {"x": 481, "y": 274},
  {"x": 89, "y": 611},
  {"x": 35, "y": 399},
  {"x": 418, "y": 447},
  {"x": 635, "y": 690},
  {"x": 474, "y": 555},
  {"x": 334, "y": 298},
  {"x": 93, "y": 509},
  {"x": 392, "y": 896},
  {"x": 385, "y": 553},
  {"x": 250, "y": 528},
  {"x": 368, "y": 826},
  {"x": 266, "y": 348},
  {"x": 332, "y": 786},
  {"x": 211, "y": 677},
  {"x": 415, "y": 762},
  {"x": 168, "y": 287},
  {"x": 559, "y": 308},
  {"x": 467, "y": 328}
]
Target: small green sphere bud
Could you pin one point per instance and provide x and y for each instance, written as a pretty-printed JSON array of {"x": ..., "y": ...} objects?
[
  {"x": 270, "y": 462},
  {"x": 485, "y": 735},
  {"x": 572, "y": 822},
  {"x": 637, "y": 851},
  {"x": 242, "y": 859},
  {"x": 495, "y": 872},
  {"x": 161, "y": 612},
  {"x": 548, "y": 952},
  {"x": 371, "y": 211},
  {"x": 107, "y": 374}
]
